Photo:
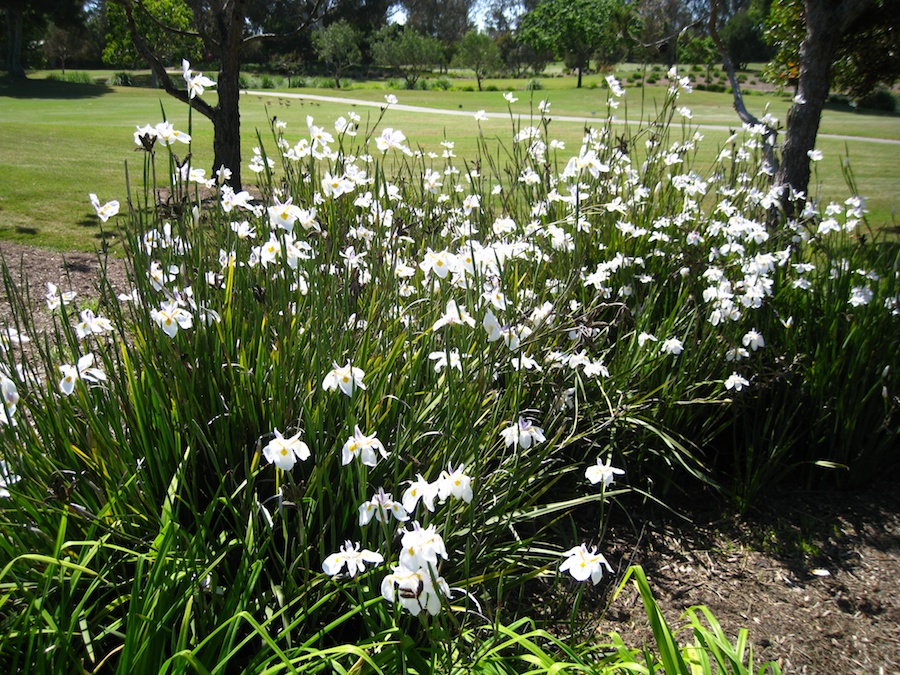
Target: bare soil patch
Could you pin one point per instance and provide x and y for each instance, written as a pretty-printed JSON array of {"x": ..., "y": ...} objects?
[
  {"x": 813, "y": 576},
  {"x": 69, "y": 270},
  {"x": 765, "y": 571}
]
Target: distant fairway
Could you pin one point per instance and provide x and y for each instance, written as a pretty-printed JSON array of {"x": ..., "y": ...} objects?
[{"x": 61, "y": 141}]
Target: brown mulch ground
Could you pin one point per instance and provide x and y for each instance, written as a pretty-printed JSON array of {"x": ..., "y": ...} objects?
[
  {"x": 764, "y": 571},
  {"x": 815, "y": 577},
  {"x": 69, "y": 270}
]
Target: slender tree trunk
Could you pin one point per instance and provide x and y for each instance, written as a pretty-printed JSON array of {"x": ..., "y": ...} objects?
[
  {"x": 227, "y": 119},
  {"x": 578, "y": 86},
  {"x": 826, "y": 22},
  {"x": 739, "y": 106},
  {"x": 14, "y": 36}
]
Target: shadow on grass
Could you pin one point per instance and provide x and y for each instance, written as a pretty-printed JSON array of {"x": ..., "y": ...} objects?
[{"x": 50, "y": 89}]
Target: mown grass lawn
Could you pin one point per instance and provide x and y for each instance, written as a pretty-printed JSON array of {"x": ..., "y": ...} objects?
[{"x": 62, "y": 141}]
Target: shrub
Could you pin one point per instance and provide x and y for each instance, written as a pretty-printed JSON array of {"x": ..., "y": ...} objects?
[
  {"x": 881, "y": 100},
  {"x": 321, "y": 82},
  {"x": 534, "y": 84},
  {"x": 440, "y": 84},
  {"x": 73, "y": 76},
  {"x": 121, "y": 79}
]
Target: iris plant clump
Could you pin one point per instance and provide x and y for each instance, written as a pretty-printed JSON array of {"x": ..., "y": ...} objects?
[{"x": 511, "y": 336}]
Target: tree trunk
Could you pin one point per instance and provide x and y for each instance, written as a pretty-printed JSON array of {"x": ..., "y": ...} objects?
[
  {"x": 227, "y": 119},
  {"x": 579, "y": 77},
  {"x": 826, "y": 22},
  {"x": 14, "y": 30}
]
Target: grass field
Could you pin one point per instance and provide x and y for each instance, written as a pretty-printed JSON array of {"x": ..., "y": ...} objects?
[{"x": 60, "y": 141}]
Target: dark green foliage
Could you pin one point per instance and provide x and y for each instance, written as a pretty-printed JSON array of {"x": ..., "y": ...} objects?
[
  {"x": 578, "y": 31},
  {"x": 407, "y": 50}
]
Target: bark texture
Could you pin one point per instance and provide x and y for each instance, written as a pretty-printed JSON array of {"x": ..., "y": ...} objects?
[
  {"x": 14, "y": 30},
  {"x": 227, "y": 120},
  {"x": 826, "y": 23}
]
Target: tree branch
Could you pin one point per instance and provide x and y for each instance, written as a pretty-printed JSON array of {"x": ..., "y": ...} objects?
[
  {"x": 166, "y": 27},
  {"x": 745, "y": 115},
  {"x": 313, "y": 17},
  {"x": 656, "y": 44},
  {"x": 159, "y": 68}
]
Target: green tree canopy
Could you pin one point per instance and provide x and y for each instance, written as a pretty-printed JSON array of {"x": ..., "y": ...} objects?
[
  {"x": 338, "y": 46},
  {"x": 478, "y": 52},
  {"x": 406, "y": 50},
  {"x": 23, "y": 20},
  {"x": 700, "y": 49},
  {"x": 444, "y": 20},
  {"x": 866, "y": 57},
  {"x": 164, "y": 25},
  {"x": 743, "y": 36},
  {"x": 578, "y": 30}
]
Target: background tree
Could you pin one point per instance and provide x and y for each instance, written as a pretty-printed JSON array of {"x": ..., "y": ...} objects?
[
  {"x": 577, "y": 30},
  {"x": 502, "y": 16},
  {"x": 478, "y": 52},
  {"x": 519, "y": 58},
  {"x": 699, "y": 49},
  {"x": 662, "y": 27},
  {"x": 366, "y": 16},
  {"x": 338, "y": 46},
  {"x": 61, "y": 45},
  {"x": 226, "y": 28},
  {"x": 171, "y": 41},
  {"x": 24, "y": 19},
  {"x": 743, "y": 35},
  {"x": 407, "y": 50},
  {"x": 444, "y": 20},
  {"x": 867, "y": 56},
  {"x": 95, "y": 23},
  {"x": 502, "y": 19}
]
